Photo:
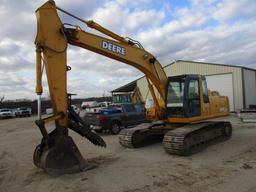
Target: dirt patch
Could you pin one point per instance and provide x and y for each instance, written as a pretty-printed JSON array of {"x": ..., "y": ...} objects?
[
  {"x": 7, "y": 171},
  {"x": 3, "y": 154},
  {"x": 244, "y": 160}
]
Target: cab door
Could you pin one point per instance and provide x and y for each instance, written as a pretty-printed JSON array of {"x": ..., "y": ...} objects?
[
  {"x": 205, "y": 102},
  {"x": 192, "y": 99}
]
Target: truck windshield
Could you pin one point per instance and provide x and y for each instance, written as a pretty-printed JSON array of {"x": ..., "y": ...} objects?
[{"x": 175, "y": 94}]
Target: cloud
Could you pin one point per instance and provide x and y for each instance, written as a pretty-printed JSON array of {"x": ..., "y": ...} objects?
[
  {"x": 127, "y": 19},
  {"x": 228, "y": 9},
  {"x": 221, "y": 31}
]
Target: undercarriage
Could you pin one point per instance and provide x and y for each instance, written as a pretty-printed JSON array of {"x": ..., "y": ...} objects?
[{"x": 177, "y": 139}]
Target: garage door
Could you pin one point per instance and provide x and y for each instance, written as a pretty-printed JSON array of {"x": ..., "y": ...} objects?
[{"x": 223, "y": 84}]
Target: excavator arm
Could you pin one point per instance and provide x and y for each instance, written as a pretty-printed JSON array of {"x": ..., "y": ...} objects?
[{"x": 51, "y": 42}]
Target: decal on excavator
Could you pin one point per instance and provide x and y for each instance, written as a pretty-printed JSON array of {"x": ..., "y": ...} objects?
[{"x": 113, "y": 48}]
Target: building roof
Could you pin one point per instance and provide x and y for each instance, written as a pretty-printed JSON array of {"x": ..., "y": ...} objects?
[
  {"x": 208, "y": 63},
  {"x": 129, "y": 86},
  {"x": 126, "y": 88}
]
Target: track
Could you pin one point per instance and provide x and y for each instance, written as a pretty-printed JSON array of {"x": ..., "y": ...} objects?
[
  {"x": 141, "y": 135},
  {"x": 184, "y": 141},
  {"x": 193, "y": 138}
]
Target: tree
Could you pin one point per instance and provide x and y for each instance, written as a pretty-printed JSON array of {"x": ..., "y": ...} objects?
[{"x": 1, "y": 100}]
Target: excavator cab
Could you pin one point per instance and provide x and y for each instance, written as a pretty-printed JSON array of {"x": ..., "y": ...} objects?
[
  {"x": 183, "y": 97},
  {"x": 189, "y": 100}
]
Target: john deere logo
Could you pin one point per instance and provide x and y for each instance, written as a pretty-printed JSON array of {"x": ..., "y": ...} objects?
[{"x": 113, "y": 48}]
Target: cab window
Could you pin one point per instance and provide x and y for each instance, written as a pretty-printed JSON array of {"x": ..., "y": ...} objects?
[
  {"x": 193, "y": 90},
  {"x": 175, "y": 94}
]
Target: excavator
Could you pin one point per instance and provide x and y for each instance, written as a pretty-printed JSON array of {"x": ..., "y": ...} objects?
[
  {"x": 182, "y": 103},
  {"x": 128, "y": 96}
]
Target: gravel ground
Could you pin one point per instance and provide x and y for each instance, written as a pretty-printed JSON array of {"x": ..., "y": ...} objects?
[{"x": 228, "y": 166}]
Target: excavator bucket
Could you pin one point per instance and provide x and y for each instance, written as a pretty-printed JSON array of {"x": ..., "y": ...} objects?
[{"x": 60, "y": 155}]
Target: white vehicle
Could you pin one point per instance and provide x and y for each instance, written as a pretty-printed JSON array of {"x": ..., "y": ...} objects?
[
  {"x": 94, "y": 107},
  {"x": 88, "y": 104},
  {"x": 6, "y": 113},
  {"x": 50, "y": 110},
  {"x": 23, "y": 112},
  {"x": 105, "y": 104},
  {"x": 76, "y": 109}
]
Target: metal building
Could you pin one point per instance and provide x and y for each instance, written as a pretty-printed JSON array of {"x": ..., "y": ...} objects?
[{"x": 236, "y": 82}]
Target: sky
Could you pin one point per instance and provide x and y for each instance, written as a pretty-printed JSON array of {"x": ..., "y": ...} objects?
[{"x": 218, "y": 31}]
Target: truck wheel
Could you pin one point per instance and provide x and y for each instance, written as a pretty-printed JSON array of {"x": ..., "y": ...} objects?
[{"x": 115, "y": 127}]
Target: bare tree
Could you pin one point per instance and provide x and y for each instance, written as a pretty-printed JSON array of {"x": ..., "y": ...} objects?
[{"x": 1, "y": 100}]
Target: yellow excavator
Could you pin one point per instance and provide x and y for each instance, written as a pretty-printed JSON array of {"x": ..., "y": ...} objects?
[
  {"x": 133, "y": 96},
  {"x": 182, "y": 103}
]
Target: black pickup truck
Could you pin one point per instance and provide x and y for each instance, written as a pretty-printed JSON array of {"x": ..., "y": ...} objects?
[{"x": 116, "y": 117}]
